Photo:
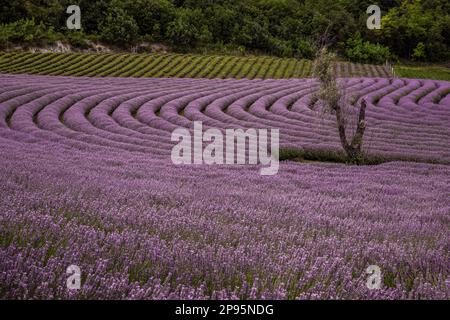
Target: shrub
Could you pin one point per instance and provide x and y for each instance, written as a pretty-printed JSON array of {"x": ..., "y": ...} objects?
[
  {"x": 321, "y": 155},
  {"x": 27, "y": 32},
  {"x": 188, "y": 29},
  {"x": 437, "y": 51},
  {"x": 419, "y": 52},
  {"x": 280, "y": 48},
  {"x": 77, "y": 39},
  {"x": 358, "y": 50},
  {"x": 151, "y": 16},
  {"x": 119, "y": 28},
  {"x": 305, "y": 49}
]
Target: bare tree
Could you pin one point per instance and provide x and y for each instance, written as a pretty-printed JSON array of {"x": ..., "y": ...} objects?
[{"x": 333, "y": 98}]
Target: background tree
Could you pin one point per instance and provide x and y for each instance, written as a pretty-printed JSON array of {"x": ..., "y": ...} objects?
[
  {"x": 188, "y": 28},
  {"x": 414, "y": 22},
  {"x": 278, "y": 27},
  {"x": 335, "y": 101},
  {"x": 119, "y": 28},
  {"x": 151, "y": 16}
]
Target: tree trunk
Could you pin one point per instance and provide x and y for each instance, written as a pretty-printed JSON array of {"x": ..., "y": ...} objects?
[
  {"x": 353, "y": 150},
  {"x": 358, "y": 137}
]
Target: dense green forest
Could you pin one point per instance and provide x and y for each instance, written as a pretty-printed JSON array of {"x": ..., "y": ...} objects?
[{"x": 415, "y": 30}]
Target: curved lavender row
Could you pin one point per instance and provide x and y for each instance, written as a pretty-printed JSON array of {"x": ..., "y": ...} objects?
[
  {"x": 141, "y": 228},
  {"x": 406, "y": 118},
  {"x": 86, "y": 180}
]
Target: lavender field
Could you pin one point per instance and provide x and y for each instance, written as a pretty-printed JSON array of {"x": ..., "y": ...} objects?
[{"x": 87, "y": 180}]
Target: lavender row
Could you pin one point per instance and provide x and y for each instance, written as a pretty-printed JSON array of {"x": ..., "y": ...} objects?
[
  {"x": 408, "y": 118},
  {"x": 141, "y": 228}
]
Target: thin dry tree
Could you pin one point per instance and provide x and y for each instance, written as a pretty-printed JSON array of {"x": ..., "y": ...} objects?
[{"x": 333, "y": 99}]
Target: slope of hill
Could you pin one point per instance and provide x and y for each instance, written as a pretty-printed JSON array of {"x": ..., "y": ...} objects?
[{"x": 173, "y": 65}]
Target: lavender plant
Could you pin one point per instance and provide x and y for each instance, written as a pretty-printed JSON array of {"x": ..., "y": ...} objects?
[{"x": 86, "y": 180}]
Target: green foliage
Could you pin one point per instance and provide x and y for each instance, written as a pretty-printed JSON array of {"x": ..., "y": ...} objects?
[
  {"x": 188, "y": 29},
  {"x": 119, "y": 28},
  {"x": 286, "y": 28},
  {"x": 93, "y": 13},
  {"x": 414, "y": 22},
  {"x": 49, "y": 12},
  {"x": 77, "y": 39},
  {"x": 151, "y": 16},
  {"x": 327, "y": 155},
  {"x": 26, "y": 32},
  {"x": 337, "y": 156},
  {"x": 358, "y": 50},
  {"x": 280, "y": 48},
  {"x": 305, "y": 49},
  {"x": 304, "y": 155},
  {"x": 253, "y": 34},
  {"x": 419, "y": 52}
]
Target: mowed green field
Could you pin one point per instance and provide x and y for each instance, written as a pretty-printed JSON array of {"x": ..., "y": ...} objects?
[
  {"x": 435, "y": 72},
  {"x": 173, "y": 65}
]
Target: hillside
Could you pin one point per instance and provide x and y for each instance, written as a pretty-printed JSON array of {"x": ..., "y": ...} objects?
[{"x": 173, "y": 65}]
